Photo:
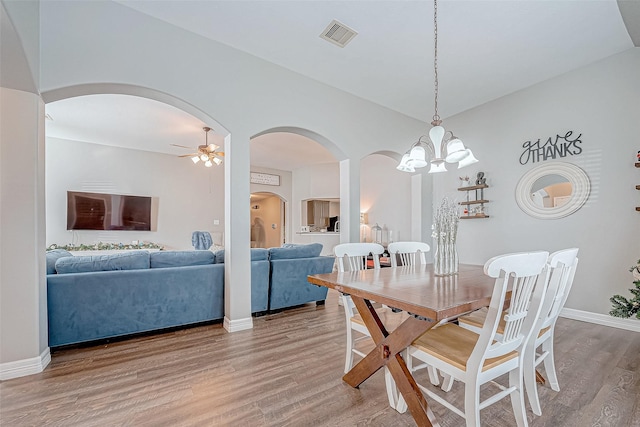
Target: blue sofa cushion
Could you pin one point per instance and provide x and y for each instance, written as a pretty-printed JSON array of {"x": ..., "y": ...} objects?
[
  {"x": 53, "y": 256},
  {"x": 164, "y": 259},
  {"x": 296, "y": 251},
  {"x": 257, "y": 254},
  {"x": 135, "y": 260}
]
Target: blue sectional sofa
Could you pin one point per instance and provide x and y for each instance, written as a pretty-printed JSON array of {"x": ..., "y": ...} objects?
[
  {"x": 97, "y": 297},
  {"x": 259, "y": 278},
  {"x": 290, "y": 266}
]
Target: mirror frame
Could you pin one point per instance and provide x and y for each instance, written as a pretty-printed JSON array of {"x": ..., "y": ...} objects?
[{"x": 579, "y": 194}]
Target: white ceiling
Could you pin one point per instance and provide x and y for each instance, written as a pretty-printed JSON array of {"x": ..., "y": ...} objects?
[{"x": 487, "y": 49}]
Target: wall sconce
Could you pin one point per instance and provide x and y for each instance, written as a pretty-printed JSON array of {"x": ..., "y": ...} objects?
[{"x": 364, "y": 218}]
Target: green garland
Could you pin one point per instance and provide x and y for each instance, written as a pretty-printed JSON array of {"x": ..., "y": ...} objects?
[
  {"x": 623, "y": 307},
  {"x": 105, "y": 246}
]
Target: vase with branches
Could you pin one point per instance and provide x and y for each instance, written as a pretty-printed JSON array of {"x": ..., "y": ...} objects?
[{"x": 445, "y": 231}]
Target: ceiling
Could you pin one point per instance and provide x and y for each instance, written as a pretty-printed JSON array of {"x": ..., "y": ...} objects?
[
  {"x": 487, "y": 49},
  {"x": 145, "y": 124}
]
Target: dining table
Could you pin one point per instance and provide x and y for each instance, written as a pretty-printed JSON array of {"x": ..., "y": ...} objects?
[{"x": 427, "y": 297}]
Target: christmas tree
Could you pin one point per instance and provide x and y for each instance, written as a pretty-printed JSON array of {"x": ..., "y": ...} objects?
[{"x": 623, "y": 307}]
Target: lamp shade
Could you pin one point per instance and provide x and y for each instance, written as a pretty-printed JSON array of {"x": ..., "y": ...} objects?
[
  {"x": 208, "y": 163},
  {"x": 195, "y": 159},
  {"x": 417, "y": 157},
  {"x": 468, "y": 160},
  {"x": 405, "y": 164},
  {"x": 437, "y": 166},
  {"x": 456, "y": 151},
  {"x": 217, "y": 161}
]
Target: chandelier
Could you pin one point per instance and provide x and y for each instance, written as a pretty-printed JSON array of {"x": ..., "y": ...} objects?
[{"x": 442, "y": 146}]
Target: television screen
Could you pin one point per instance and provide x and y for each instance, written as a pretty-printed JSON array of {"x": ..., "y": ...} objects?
[{"x": 97, "y": 211}]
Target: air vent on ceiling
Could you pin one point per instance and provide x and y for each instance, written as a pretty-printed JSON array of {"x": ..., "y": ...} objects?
[{"x": 338, "y": 33}]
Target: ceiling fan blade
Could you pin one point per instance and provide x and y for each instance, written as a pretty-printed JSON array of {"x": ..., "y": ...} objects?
[
  {"x": 181, "y": 146},
  {"x": 219, "y": 153},
  {"x": 212, "y": 147},
  {"x": 190, "y": 155}
]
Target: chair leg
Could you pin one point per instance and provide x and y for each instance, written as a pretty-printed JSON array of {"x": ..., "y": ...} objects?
[
  {"x": 447, "y": 382},
  {"x": 433, "y": 375},
  {"x": 471, "y": 403},
  {"x": 349, "y": 360},
  {"x": 392, "y": 390},
  {"x": 517, "y": 397},
  {"x": 550, "y": 365},
  {"x": 529, "y": 370}
]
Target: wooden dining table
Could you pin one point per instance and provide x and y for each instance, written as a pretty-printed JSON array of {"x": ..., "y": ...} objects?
[{"x": 418, "y": 291}]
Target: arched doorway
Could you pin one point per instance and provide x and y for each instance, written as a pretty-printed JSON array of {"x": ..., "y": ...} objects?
[{"x": 267, "y": 220}]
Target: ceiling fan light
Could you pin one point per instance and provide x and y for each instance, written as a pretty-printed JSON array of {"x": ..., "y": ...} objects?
[
  {"x": 195, "y": 159},
  {"x": 217, "y": 161},
  {"x": 208, "y": 163},
  {"x": 468, "y": 160},
  {"x": 204, "y": 157}
]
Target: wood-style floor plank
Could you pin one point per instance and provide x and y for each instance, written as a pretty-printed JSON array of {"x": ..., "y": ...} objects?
[{"x": 287, "y": 371}]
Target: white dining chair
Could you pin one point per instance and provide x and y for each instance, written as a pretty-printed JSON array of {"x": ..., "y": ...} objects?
[
  {"x": 353, "y": 257},
  {"x": 562, "y": 266},
  {"x": 408, "y": 253},
  {"x": 478, "y": 359}
]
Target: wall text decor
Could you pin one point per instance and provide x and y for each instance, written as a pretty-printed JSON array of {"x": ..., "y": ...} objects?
[
  {"x": 265, "y": 178},
  {"x": 558, "y": 147}
]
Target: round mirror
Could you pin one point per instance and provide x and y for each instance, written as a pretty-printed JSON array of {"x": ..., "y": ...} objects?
[{"x": 552, "y": 190}]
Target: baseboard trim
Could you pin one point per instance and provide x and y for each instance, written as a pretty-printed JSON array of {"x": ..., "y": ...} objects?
[
  {"x": 601, "y": 319},
  {"x": 238, "y": 324},
  {"x": 22, "y": 368}
]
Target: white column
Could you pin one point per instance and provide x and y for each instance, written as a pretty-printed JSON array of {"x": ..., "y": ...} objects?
[
  {"x": 23, "y": 296},
  {"x": 349, "y": 201},
  {"x": 416, "y": 207},
  {"x": 237, "y": 239}
]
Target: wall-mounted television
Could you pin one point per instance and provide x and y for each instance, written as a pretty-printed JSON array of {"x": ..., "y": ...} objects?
[{"x": 98, "y": 211}]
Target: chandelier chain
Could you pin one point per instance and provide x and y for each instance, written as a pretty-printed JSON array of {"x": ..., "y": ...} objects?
[{"x": 436, "y": 116}]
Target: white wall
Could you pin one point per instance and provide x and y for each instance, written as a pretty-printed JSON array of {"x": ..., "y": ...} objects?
[
  {"x": 189, "y": 196},
  {"x": 385, "y": 194},
  {"x": 600, "y": 102}
]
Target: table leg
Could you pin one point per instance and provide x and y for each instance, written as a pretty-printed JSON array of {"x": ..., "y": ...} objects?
[{"x": 387, "y": 353}]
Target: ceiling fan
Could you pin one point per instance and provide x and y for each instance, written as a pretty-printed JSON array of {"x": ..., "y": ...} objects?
[{"x": 208, "y": 153}]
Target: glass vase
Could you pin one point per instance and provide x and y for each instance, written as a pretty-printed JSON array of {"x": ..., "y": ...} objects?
[{"x": 445, "y": 261}]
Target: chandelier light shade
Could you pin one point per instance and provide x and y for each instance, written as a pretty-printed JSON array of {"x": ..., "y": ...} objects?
[{"x": 441, "y": 146}]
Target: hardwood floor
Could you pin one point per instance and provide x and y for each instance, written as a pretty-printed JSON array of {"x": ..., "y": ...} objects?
[{"x": 287, "y": 372}]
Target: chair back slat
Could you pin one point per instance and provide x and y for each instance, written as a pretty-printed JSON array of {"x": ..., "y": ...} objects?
[
  {"x": 514, "y": 319},
  {"x": 408, "y": 253},
  {"x": 526, "y": 275},
  {"x": 563, "y": 268},
  {"x": 353, "y": 256}
]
